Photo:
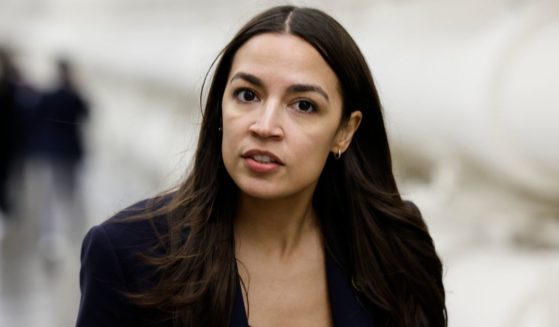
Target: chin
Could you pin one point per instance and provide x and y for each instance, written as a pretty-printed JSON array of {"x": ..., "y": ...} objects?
[
  {"x": 262, "y": 193},
  {"x": 272, "y": 191}
]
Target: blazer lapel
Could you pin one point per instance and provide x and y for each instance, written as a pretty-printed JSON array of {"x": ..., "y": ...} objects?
[
  {"x": 238, "y": 317},
  {"x": 346, "y": 309}
]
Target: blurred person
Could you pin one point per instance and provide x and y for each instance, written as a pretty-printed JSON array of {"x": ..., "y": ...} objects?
[
  {"x": 290, "y": 215},
  {"x": 8, "y": 78},
  {"x": 55, "y": 153},
  {"x": 17, "y": 101}
]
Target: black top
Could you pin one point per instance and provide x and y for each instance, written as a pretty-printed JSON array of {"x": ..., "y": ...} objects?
[{"x": 110, "y": 265}]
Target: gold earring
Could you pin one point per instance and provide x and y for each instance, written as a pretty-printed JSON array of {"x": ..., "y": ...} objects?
[{"x": 338, "y": 155}]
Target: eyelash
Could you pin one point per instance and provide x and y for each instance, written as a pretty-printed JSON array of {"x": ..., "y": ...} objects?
[
  {"x": 238, "y": 93},
  {"x": 312, "y": 105}
]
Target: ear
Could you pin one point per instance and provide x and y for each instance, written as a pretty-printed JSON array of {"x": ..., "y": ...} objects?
[{"x": 345, "y": 133}]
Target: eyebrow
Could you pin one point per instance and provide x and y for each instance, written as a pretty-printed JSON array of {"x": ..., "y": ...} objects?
[
  {"x": 295, "y": 88},
  {"x": 249, "y": 78}
]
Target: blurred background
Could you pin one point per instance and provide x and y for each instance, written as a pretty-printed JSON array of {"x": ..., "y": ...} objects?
[{"x": 470, "y": 90}]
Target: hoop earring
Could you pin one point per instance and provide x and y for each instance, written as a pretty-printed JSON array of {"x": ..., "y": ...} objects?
[{"x": 338, "y": 155}]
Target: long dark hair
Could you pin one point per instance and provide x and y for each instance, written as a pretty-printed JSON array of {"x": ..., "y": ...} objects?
[{"x": 380, "y": 240}]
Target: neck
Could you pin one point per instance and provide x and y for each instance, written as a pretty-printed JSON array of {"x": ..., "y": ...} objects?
[{"x": 278, "y": 227}]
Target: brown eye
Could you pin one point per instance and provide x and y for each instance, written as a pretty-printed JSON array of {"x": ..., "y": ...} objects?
[
  {"x": 245, "y": 95},
  {"x": 305, "y": 106}
]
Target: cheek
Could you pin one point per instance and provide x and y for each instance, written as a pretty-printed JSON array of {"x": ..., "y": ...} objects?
[
  {"x": 228, "y": 154},
  {"x": 231, "y": 134},
  {"x": 226, "y": 141},
  {"x": 312, "y": 149},
  {"x": 231, "y": 126}
]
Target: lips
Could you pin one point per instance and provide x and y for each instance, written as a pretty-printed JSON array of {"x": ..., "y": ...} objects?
[
  {"x": 263, "y": 157},
  {"x": 261, "y": 162}
]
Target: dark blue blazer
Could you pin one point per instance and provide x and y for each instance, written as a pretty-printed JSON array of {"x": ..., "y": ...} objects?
[{"x": 110, "y": 266}]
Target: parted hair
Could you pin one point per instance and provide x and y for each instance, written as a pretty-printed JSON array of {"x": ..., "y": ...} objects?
[{"x": 381, "y": 240}]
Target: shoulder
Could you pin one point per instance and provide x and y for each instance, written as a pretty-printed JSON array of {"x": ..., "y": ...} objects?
[
  {"x": 119, "y": 243},
  {"x": 137, "y": 226},
  {"x": 113, "y": 265},
  {"x": 412, "y": 207},
  {"x": 415, "y": 218}
]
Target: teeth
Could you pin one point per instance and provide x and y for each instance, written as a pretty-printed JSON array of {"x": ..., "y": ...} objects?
[{"x": 263, "y": 159}]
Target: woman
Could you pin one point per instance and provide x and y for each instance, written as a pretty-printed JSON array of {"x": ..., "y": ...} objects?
[{"x": 290, "y": 215}]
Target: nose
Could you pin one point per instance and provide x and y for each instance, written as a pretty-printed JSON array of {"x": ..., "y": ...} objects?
[{"x": 268, "y": 121}]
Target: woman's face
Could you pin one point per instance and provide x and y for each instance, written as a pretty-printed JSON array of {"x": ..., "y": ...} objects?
[{"x": 281, "y": 117}]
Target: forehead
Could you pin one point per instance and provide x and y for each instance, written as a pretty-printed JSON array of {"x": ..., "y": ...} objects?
[{"x": 287, "y": 55}]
